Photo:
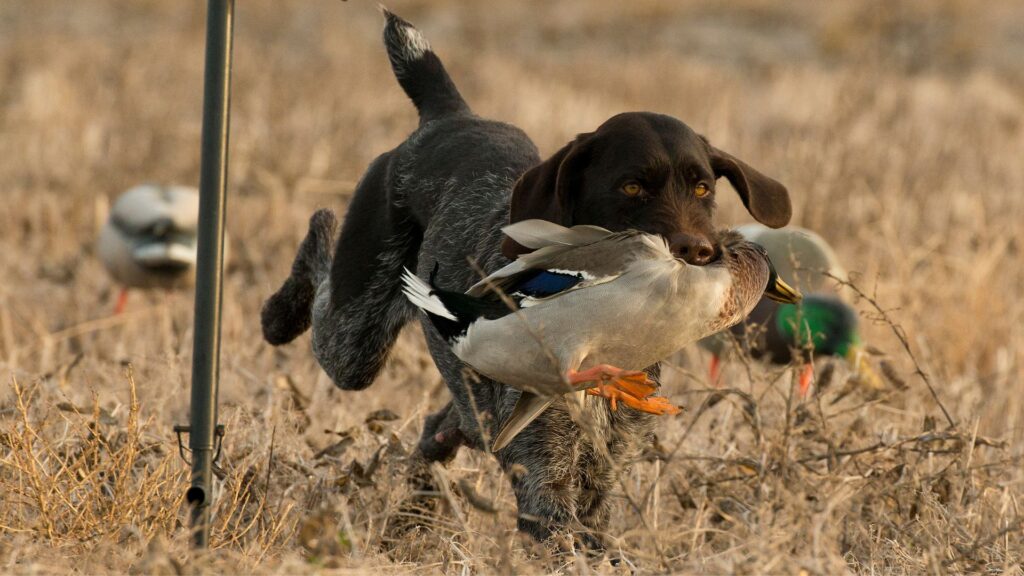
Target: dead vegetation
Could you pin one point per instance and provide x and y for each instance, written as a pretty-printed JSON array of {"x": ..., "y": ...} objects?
[{"x": 896, "y": 125}]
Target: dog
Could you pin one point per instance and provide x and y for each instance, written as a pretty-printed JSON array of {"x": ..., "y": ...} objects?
[{"x": 440, "y": 200}]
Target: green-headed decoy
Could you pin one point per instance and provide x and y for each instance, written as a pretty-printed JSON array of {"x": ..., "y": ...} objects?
[{"x": 822, "y": 324}]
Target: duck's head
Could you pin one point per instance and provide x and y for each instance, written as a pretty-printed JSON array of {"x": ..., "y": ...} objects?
[
  {"x": 801, "y": 256},
  {"x": 149, "y": 239},
  {"x": 730, "y": 243}
]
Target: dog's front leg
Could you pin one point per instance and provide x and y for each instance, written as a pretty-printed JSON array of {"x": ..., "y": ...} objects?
[
  {"x": 542, "y": 464},
  {"x": 599, "y": 470}
]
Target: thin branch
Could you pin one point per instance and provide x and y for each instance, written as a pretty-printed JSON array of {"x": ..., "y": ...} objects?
[{"x": 902, "y": 337}]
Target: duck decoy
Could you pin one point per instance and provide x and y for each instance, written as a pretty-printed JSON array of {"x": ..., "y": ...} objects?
[
  {"x": 552, "y": 322},
  {"x": 149, "y": 239},
  {"x": 823, "y": 324}
]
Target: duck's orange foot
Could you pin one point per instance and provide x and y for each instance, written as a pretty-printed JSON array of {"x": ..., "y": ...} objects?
[
  {"x": 122, "y": 301},
  {"x": 634, "y": 388},
  {"x": 806, "y": 378},
  {"x": 633, "y": 382},
  {"x": 658, "y": 405},
  {"x": 715, "y": 370}
]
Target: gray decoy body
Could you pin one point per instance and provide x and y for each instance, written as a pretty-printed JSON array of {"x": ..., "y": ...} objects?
[
  {"x": 587, "y": 296},
  {"x": 149, "y": 239},
  {"x": 799, "y": 255}
]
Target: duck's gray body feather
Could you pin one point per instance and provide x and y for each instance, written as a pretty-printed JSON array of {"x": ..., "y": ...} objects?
[{"x": 630, "y": 318}]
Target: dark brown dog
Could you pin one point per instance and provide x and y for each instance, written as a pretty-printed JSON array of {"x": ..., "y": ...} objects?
[
  {"x": 674, "y": 168},
  {"x": 440, "y": 199}
]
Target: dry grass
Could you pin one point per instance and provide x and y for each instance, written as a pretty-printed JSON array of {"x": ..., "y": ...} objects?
[{"x": 896, "y": 125}]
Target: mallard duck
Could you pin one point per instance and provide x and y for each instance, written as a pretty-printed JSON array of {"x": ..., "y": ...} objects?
[
  {"x": 564, "y": 317},
  {"x": 823, "y": 324},
  {"x": 149, "y": 239}
]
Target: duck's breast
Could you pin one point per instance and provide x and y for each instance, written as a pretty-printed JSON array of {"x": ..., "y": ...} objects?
[{"x": 640, "y": 318}]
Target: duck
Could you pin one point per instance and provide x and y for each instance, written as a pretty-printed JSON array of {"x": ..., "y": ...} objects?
[
  {"x": 551, "y": 322},
  {"x": 149, "y": 239},
  {"x": 823, "y": 324}
]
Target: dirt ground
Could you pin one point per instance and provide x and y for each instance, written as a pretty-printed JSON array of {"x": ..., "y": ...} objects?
[{"x": 898, "y": 127}]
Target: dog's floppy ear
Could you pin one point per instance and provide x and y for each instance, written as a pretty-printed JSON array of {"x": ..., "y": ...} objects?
[
  {"x": 547, "y": 190},
  {"x": 766, "y": 199}
]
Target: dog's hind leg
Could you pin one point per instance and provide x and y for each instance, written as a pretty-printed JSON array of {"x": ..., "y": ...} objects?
[
  {"x": 356, "y": 322},
  {"x": 355, "y": 302},
  {"x": 542, "y": 463},
  {"x": 288, "y": 313}
]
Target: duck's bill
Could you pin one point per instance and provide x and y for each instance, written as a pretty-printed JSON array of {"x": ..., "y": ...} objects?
[
  {"x": 862, "y": 369},
  {"x": 779, "y": 291},
  {"x": 157, "y": 254}
]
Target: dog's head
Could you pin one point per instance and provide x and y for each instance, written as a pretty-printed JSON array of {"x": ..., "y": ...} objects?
[{"x": 645, "y": 171}]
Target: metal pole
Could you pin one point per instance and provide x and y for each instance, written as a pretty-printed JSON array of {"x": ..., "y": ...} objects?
[{"x": 212, "y": 192}]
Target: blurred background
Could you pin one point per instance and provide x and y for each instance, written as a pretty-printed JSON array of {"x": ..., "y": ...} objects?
[{"x": 896, "y": 125}]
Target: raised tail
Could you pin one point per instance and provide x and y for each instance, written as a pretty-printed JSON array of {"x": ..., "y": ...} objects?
[
  {"x": 420, "y": 72},
  {"x": 288, "y": 313}
]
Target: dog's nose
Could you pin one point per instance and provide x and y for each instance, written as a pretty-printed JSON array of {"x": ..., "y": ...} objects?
[{"x": 692, "y": 249}]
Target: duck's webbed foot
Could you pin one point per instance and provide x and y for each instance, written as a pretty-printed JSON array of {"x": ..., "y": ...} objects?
[
  {"x": 658, "y": 405},
  {"x": 635, "y": 382},
  {"x": 634, "y": 388}
]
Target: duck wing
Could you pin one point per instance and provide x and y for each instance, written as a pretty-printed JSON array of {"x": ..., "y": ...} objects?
[
  {"x": 567, "y": 258},
  {"x": 526, "y": 410},
  {"x": 535, "y": 234},
  {"x": 550, "y": 271}
]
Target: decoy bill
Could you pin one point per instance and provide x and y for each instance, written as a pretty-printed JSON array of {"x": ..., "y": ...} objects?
[{"x": 588, "y": 309}]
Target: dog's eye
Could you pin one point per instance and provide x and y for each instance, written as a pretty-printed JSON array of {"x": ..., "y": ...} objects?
[
  {"x": 632, "y": 189},
  {"x": 701, "y": 190}
]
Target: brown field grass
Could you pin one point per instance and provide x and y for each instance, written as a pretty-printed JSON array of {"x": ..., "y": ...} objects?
[{"x": 898, "y": 127}]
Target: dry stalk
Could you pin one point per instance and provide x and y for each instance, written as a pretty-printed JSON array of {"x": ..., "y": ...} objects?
[
  {"x": 900, "y": 334},
  {"x": 28, "y": 462}
]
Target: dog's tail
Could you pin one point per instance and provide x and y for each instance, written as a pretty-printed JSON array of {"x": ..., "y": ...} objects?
[
  {"x": 420, "y": 71},
  {"x": 288, "y": 313}
]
